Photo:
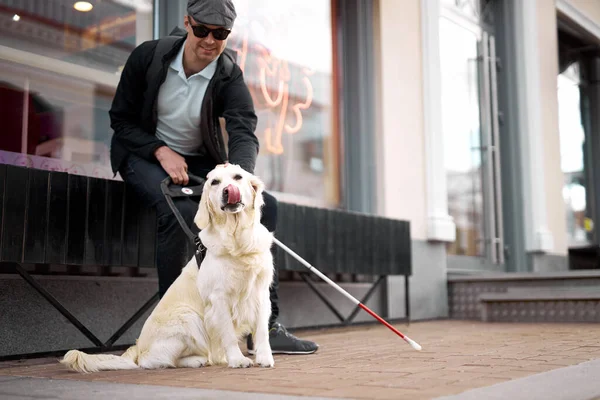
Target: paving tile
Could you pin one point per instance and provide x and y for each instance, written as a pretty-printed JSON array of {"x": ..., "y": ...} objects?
[{"x": 369, "y": 362}]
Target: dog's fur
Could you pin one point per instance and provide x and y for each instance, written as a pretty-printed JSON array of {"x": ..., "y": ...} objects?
[{"x": 201, "y": 318}]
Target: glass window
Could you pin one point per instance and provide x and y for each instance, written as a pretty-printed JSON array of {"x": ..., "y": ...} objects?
[
  {"x": 285, "y": 49},
  {"x": 59, "y": 70},
  {"x": 462, "y": 142}
]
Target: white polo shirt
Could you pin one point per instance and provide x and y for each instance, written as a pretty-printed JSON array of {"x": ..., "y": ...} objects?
[{"x": 179, "y": 104}]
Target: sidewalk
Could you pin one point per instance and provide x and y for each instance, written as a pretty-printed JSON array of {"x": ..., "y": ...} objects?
[{"x": 372, "y": 363}]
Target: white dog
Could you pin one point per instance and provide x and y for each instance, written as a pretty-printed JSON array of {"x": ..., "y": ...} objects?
[{"x": 201, "y": 318}]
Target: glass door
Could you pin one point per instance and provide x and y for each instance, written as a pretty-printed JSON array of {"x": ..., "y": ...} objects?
[{"x": 471, "y": 139}]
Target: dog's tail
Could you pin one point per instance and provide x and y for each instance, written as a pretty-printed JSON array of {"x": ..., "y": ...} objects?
[{"x": 79, "y": 361}]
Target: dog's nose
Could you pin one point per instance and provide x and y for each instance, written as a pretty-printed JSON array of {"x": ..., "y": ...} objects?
[{"x": 232, "y": 194}]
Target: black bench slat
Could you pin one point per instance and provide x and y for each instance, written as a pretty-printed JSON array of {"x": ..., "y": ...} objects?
[
  {"x": 348, "y": 236},
  {"x": 284, "y": 219},
  {"x": 147, "y": 238},
  {"x": 405, "y": 249},
  {"x": 339, "y": 230},
  {"x": 301, "y": 231},
  {"x": 36, "y": 216},
  {"x": 333, "y": 238},
  {"x": 391, "y": 248},
  {"x": 76, "y": 225},
  {"x": 321, "y": 238},
  {"x": 342, "y": 245},
  {"x": 96, "y": 222},
  {"x": 370, "y": 231},
  {"x": 114, "y": 218},
  {"x": 130, "y": 229},
  {"x": 15, "y": 205},
  {"x": 309, "y": 225},
  {"x": 381, "y": 246},
  {"x": 56, "y": 234},
  {"x": 358, "y": 244},
  {"x": 2, "y": 183}
]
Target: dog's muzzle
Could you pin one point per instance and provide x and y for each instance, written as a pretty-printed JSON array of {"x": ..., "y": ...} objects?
[{"x": 231, "y": 195}]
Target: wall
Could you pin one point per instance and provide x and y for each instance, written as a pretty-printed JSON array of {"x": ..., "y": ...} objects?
[
  {"x": 401, "y": 164},
  {"x": 590, "y": 8},
  {"x": 553, "y": 176}
]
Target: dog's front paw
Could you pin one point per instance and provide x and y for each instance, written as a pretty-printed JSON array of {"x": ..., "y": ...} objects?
[
  {"x": 265, "y": 360},
  {"x": 241, "y": 362}
]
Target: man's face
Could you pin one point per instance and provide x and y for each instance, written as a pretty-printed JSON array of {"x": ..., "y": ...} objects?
[{"x": 208, "y": 48}]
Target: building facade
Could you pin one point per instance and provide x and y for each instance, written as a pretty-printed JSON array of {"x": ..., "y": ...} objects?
[
  {"x": 476, "y": 120},
  {"x": 488, "y": 134}
]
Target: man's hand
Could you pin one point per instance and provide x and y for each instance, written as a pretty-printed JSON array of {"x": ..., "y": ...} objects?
[{"x": 173, "y": 164}]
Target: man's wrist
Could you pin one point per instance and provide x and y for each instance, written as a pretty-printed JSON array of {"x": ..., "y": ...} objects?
[{"x": 159, "y": 152}]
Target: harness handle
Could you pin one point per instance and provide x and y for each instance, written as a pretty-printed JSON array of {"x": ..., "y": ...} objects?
[{"x": 168, "y": 187}]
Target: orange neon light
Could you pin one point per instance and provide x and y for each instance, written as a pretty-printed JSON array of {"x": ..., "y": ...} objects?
[{"x": 271, "y": 67}]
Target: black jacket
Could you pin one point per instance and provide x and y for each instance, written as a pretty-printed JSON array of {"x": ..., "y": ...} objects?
[{"x": 133, "y": 113}]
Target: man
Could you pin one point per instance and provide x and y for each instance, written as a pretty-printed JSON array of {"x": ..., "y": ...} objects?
[{"x": 165, "y": 117}]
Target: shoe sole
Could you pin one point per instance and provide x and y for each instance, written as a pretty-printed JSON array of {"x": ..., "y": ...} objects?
[{"x": 252, "y": 352}]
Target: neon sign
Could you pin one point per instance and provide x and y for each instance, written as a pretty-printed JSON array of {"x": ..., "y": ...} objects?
[{"x": 271, "y": 67}]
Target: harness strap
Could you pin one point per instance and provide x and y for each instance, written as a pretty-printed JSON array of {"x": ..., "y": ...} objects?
[{"x": 169, "y": 193}]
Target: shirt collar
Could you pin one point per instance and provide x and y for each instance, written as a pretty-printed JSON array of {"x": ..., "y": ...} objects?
[{"x": 207, "y": 72}]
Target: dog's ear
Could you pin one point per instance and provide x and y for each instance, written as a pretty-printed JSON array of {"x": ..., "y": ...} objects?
[
  {"x": 258, "y": 187},
  {"x": 203, "y": 215}
]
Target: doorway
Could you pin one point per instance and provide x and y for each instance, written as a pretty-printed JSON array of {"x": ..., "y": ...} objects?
[{"x": 578, "y": 85}]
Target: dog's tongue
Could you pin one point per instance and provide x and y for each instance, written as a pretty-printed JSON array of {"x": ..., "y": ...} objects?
[{"x": 233, "y": 195}]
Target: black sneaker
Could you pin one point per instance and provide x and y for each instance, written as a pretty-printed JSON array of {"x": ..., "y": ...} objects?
[{"x": 283, "y": 342}]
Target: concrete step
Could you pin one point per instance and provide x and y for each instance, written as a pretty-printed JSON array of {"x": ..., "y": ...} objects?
[
  {"x": 542, "y": 304},
  {"x": 543, "y": 291},
  {"x": 464, "y": 290}
]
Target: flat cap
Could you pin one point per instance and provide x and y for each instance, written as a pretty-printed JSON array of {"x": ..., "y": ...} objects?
[{"x": 212, "y": 12}]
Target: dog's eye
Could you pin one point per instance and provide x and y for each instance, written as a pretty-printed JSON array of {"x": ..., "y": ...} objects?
[
  {"x": 237, "y": 177},
  {"x": 215, "y": 182}
]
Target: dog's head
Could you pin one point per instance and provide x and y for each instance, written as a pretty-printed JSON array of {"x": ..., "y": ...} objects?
[{"x": 229, "y": 191}]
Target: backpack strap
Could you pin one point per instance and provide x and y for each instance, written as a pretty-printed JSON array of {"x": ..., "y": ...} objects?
[
  {"x": 229, "y": 58},
  {"x": 163, "y": 46}
]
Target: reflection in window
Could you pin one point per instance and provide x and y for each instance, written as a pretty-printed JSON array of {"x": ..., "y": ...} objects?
[
  {"x": 289, "y": 70},
  {"x": 478, "y": 11},
  {"x": 101, "y": 38},
  {"x": 58, "y": 73},
  {"x": 572, "y": 139}
]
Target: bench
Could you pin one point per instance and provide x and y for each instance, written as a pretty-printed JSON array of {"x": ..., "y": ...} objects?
[
  {"x": 72, "y": 220},
  {"x": 56, "y": 218},
  {"x": 342, "y": 242}
]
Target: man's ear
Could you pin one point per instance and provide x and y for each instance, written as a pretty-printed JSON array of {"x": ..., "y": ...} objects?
[{"x": 203, "y": 215}]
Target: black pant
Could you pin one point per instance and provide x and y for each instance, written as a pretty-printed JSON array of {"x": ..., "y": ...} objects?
[{"x": 174, "y": 248}]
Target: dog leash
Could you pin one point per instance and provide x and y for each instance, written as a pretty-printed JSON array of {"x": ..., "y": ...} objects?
[{"x": 169, "y": 192}]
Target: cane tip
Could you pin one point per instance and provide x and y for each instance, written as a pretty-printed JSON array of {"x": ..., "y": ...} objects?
[{"x": 414, "y": 344}]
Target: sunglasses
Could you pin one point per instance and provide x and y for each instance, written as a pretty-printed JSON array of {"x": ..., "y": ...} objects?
[{"x": 202, "y": 31}]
